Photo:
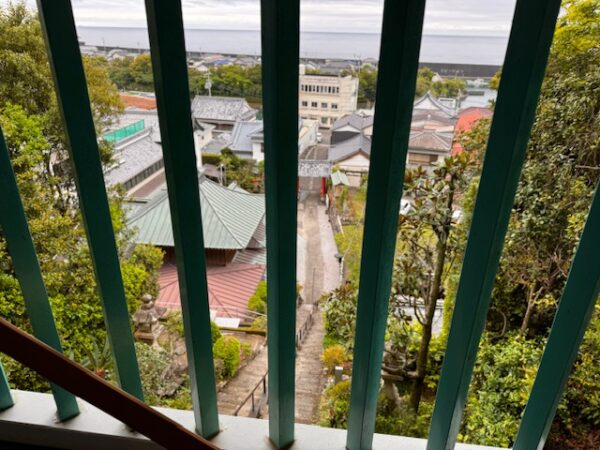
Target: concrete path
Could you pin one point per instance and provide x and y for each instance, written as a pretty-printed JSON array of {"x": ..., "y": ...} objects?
[
  {"x": 321, "y": 275},
  {"x": 234, "y": 392}
]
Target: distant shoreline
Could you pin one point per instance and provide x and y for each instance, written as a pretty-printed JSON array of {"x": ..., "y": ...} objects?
[
  {"x": 435, "y": 48},
  {"x": 451, "y": 70},
  {"x": 446, "y": 34}
]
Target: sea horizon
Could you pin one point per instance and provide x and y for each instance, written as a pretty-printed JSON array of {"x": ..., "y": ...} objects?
[{"x": 435, "y": 48}]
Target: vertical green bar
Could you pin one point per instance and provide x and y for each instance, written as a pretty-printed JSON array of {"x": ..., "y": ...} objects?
[
  {"x": 398, "y": 63},
  {"x": 280, "y": 31},
  {"x": 165, "y": 26},
  {"x": 14, "y": 224},
  {"x": 572, "y": 318},
  {"x": 6, "y": 400},
  {"x": 56, "y": 17},
  {"x": 522, "y": 75}
]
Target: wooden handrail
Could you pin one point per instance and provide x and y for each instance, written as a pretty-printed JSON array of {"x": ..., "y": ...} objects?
[{"x": 59, "y": 369}]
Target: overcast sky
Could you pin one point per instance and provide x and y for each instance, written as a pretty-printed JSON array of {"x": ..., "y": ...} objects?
[{"x": 442, "y": 16}]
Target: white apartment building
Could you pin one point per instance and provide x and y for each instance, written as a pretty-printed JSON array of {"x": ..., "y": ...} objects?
[{"x": 326, "y": 98}]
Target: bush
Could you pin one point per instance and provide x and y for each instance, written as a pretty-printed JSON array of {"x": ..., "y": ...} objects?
[
  {"x": 339, "y": 312},
  {"x": 335, "y": 404},
  {"x": 22, "y": 377},
  {"x": 246, "y": 350},
  {"x": 334, "y": 356},
  {"x": 211, "y": 158},
  {"x": 260, "y": 323},
  {"x": 258, "y": 301},
  {"x": 153, "y": 363},
  {"x": 215, "y": 332},
  {"x": 502, "y": 379},
  {"x": 227, "y": 349}
]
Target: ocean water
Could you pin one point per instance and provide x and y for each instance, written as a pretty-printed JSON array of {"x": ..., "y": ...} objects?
[{"x": 434, "y": 48}]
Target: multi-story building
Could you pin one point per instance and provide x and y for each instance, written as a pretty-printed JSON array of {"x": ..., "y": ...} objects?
[{"x": 326, "y": 98}]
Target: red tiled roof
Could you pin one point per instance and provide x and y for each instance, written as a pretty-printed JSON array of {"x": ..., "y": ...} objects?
[
  {"x": 229, "y": 288},
  {"x": 137, "y": 101},
  {"x": 467, "y": 119}
]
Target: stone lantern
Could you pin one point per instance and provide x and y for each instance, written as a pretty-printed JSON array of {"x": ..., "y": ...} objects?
[{"x": 147, "y": 326}]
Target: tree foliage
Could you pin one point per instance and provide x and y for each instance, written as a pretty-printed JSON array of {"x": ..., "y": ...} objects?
[
  {"x": 35, "y": 139},
  {"x": 561, "y": 171},
  {"x": 560, "y": 174},
  {"x": 367, "y": 84}
]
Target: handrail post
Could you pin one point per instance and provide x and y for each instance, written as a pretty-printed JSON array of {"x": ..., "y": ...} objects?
[
  {"x": 13, "y": 222},
  {"x": 169, "y": 66},
  {"x": 574, "y": 313},
  {"x": 6, "y": 400},
  {"x": 398, "y": 64},
  {"x": 522, "y": 75},
  {"x": 58, "y": 25},
  {"x": 280, "y": 39}
]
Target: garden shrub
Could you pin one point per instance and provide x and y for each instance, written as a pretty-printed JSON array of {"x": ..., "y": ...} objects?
[
  {"x": 260, "y": 323},
  {"x": 227, "y": 349},
  {"x": 258, "y": 301},
  {"x": 334, "y": 356}
]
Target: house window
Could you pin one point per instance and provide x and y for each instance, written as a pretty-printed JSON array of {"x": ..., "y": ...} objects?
[
  {"x": 324, "y": 120},
  {"x": 334, "y": 106},
  {"x": 337, "y": 90},
  {"x": 304, "y": 103},
  {"x": 324, "y": 105},
  {"x": 313, "y": 104}
]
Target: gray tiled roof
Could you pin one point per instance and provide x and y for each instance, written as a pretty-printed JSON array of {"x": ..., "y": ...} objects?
[
  {"x": 355, "y": 120},
  {"x": 226, "y": 109},
  {"x": 349, "y": 147},
  {"x": 138, "y": 153},
  {"x": 429, "y": 103},
  {"x": 242, "y": 133},
  {"x": 430, "y": 140},
  {"x": 217, "y": 144},
  {"x": 230, "y": 218}
]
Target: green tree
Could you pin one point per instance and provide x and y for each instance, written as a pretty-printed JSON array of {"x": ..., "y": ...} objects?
[
  {"x": 35, "y": 140},
  {"x": 426, "y": 255},
  {"x": 561, "y": 170}
]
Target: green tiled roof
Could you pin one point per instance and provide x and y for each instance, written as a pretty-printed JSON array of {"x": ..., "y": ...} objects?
[
  {"x": 230, "y": 217},
  {"x": 339, "y": 178}
]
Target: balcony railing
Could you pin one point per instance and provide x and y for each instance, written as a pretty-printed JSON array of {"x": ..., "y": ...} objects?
[
  {"x": 523, "y": 70},
  {"x": 124, "y": 132}
]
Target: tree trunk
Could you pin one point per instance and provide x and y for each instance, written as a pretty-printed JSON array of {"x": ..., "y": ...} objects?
[
  {"x": 434, "y": 293},
  {"x": 532, "y": 298},
  {"x": 431, "y": 301}
]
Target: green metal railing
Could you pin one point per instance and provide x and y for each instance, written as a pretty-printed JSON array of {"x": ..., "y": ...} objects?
[
  {"x": 400, "y": 42},
  {"x": 56, "y": 17},
  {"x": 523, "y": 70},
  {"x": 165, "y": 26},
  {"x": 124, "y": 132},
  {"x": 20, "y": 245},
  {"x": 280, "y": 22}
]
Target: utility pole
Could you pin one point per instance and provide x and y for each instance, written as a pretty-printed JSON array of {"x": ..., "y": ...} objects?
[{"x": 208, "y": 86}]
